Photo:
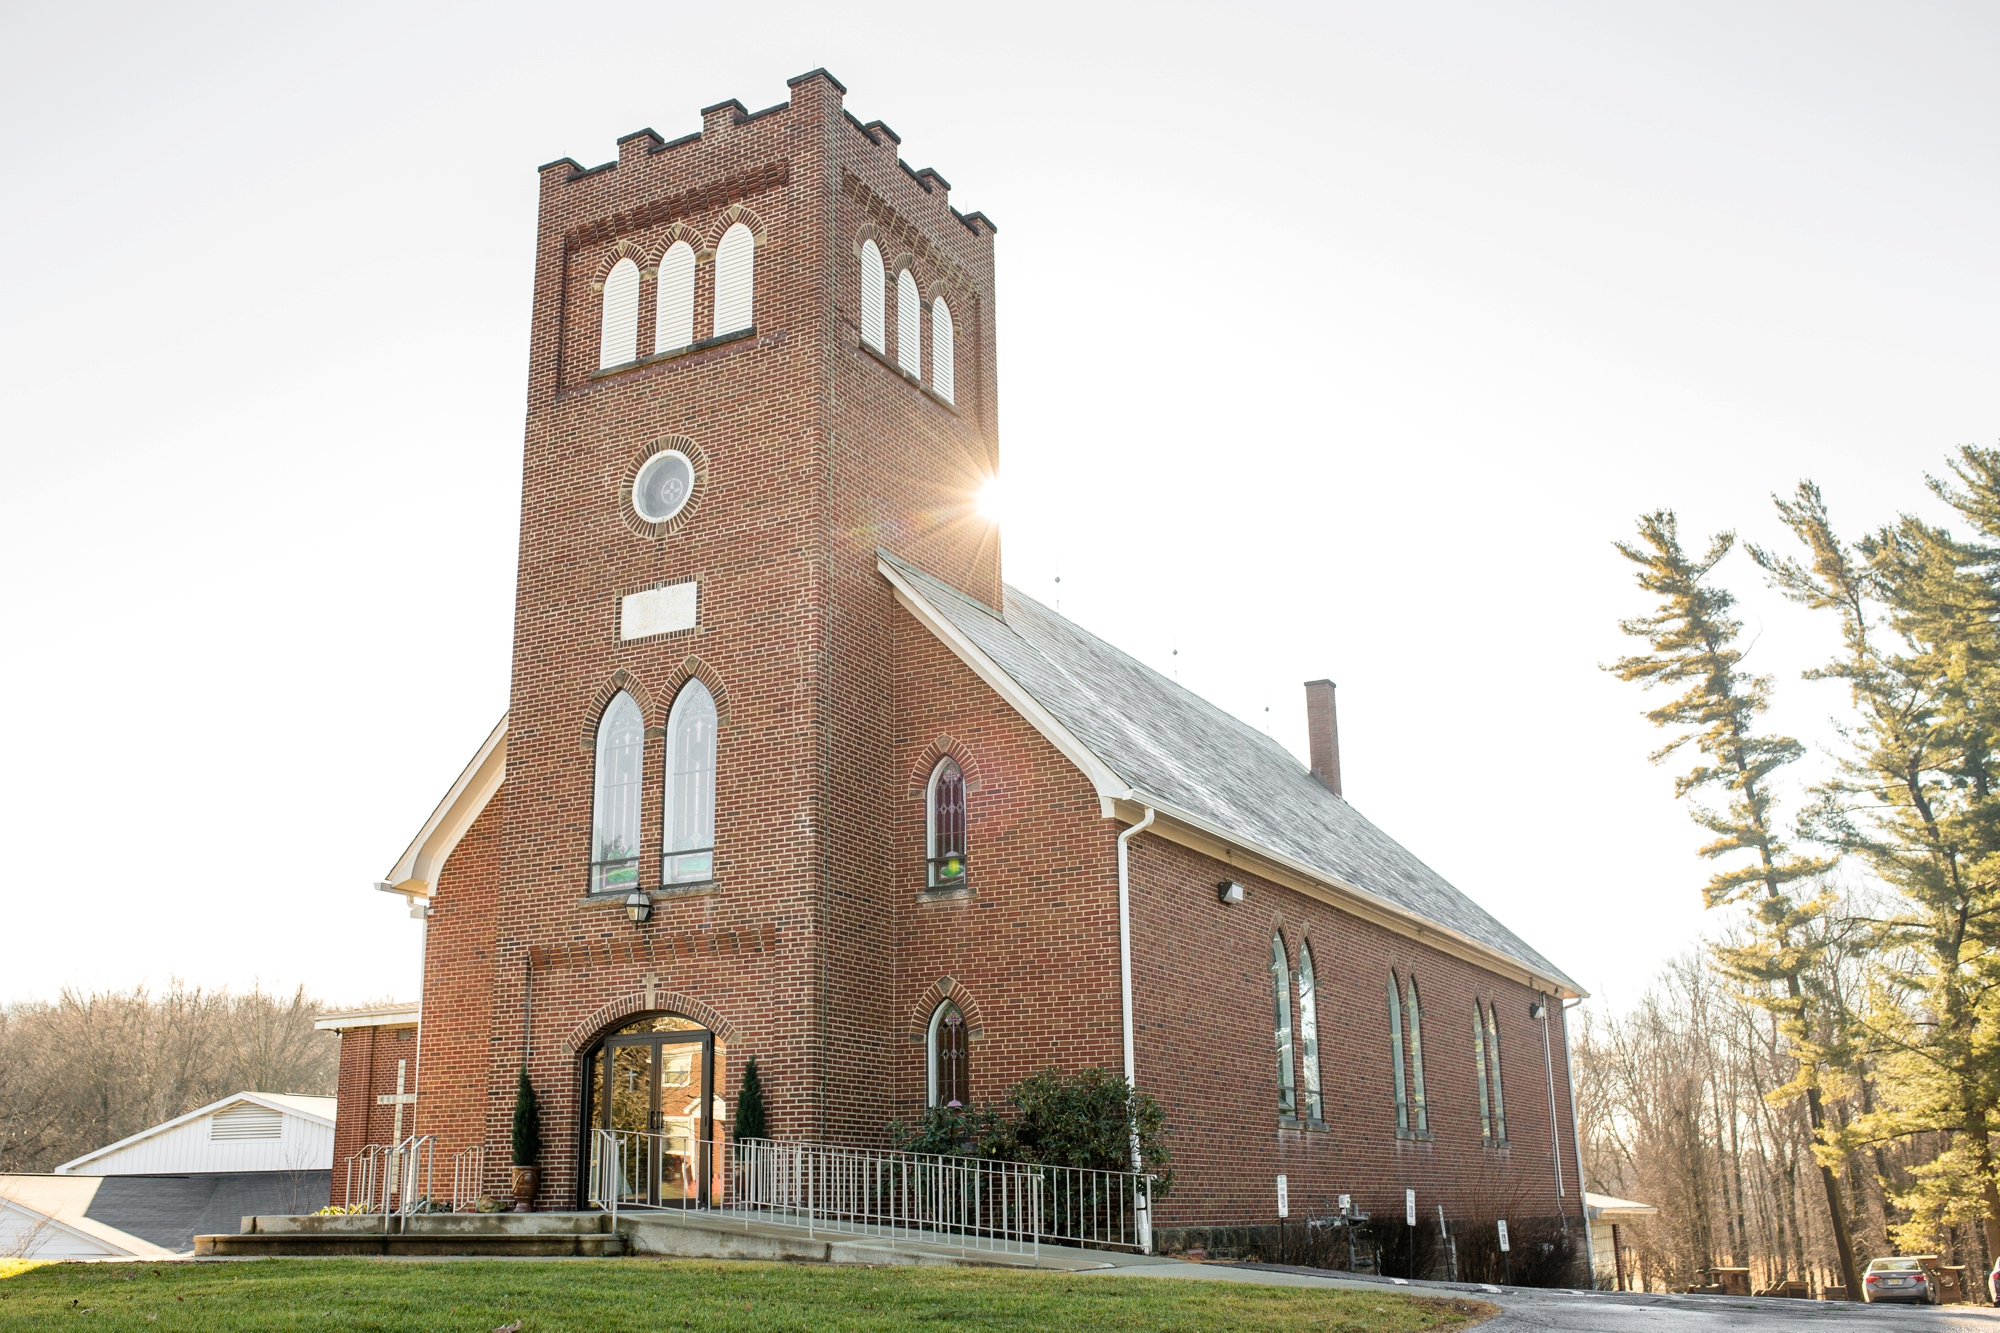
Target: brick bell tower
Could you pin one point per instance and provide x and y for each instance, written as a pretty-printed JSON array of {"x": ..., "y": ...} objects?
[{"x": 707, "y": 307}]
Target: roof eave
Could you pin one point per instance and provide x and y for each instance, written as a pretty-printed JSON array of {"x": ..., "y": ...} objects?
[
  {"x": 415, "y": 873},
  {"x": 69, "y": 1168}
]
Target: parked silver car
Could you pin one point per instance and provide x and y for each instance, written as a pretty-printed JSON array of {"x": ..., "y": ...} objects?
[{"x": 1898, "y": 1280}]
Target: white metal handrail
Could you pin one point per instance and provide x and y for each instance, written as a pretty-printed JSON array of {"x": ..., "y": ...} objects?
[
  {"x": 468, "y": 1177},
  {"x": 972, "y": 1203},
  {"x": 395, "y": 1178}
]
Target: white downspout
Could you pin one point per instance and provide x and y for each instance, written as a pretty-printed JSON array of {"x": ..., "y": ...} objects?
[
  {"x": 1576, "y": 1142},
  {"x": 1145, "y": 1202}
]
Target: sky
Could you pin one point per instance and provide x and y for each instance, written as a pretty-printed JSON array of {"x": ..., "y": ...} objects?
[{"x": 1335, "y": 341}]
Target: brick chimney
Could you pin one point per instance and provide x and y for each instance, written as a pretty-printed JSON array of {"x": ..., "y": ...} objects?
[{"x": 1323, "y": 728}]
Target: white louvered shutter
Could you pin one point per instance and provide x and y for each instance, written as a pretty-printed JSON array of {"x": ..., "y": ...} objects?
[
  {"x": 735, "y": 259},
  {"x": 245, "y": 1121},
  {"x": 874, "y": 330},
  {"x": 675, "y": 325},
  {"x": 941, "y": 350},
  {"x": 619, "y": 341},
  {"x": 909, "y": 325}
]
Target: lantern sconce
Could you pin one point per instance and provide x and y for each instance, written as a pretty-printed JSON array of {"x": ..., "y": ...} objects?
[{"x": 639, "y": 906}]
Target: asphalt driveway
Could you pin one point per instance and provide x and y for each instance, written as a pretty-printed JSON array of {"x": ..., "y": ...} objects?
[{"x": 1531, "y": 1311}]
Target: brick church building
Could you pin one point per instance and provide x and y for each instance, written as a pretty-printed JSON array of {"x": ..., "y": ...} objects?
[{"x": 898, "y": 831}]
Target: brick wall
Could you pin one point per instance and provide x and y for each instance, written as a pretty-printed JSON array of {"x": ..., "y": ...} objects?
[
  {"x": 458, "y": 1032},
  {"x": 369, "y": 1058}
]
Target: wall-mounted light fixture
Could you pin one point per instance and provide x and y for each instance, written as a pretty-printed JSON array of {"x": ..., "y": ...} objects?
[
  {"x": 1537, "y": 1008},
  {"x": 1229, "y": 891},
  {"x": 639, "y": 906}
]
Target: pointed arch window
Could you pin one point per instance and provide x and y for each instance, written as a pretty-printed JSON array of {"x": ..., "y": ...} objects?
[
  {"x": 1493, "y": 1063},
  {"x": 1420, "y": 1111},
  {"x": 674, "y": 328},
  {"x": 950, "y": 1067},
  {"x": 1309, "y": 1033},
  {"x": 614, "y": 818},
  {"x": 874, "y": 283},
  {"x": 1281, "y": 1004},
  {"x": 909, "y": 325},
  {"x": 688, "y": 856},
  {"x": 1479, "y": 1068},
  {"x": 735, "y": 279},
  {"x": 618, "y": 339},
  {"x": 941, "y": 350},
  {"x": 1397, "y": 1066},
  {"x": 946, "y": 837}
]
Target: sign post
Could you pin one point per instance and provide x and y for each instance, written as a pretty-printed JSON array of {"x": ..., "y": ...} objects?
[
  {"x": 1410, "y": 1220},
  {"x": 1506, "y": 1261},
  {"x": 1284, "y": 1211}
]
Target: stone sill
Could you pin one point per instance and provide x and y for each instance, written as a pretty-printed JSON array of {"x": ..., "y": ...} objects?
[{"x": 605, "y": 372}]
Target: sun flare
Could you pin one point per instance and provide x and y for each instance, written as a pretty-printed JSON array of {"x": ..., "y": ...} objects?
[{"x": 993, "y": 500}]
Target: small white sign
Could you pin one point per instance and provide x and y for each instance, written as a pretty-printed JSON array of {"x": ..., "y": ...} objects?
[
  {"x": 1503, "y": 1235},
  {"x": 1346, "y": 1203},
  {"x": 657, "y": 611},
  {"x": 1284, "y": 1199},
  {"x": 1410, "y": 1207}
]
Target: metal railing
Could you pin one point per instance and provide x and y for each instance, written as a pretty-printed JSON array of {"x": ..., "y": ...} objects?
[
  {"x": 967, "y": 1202},
  {"x": 393, "y": 1179},
  {"x": 468, "y": 1177}
]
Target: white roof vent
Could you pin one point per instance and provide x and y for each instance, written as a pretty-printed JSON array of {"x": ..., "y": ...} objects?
[{"x": 246, "y": 1121}]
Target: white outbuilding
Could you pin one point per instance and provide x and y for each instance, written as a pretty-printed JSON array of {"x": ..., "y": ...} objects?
[{"x": 251, "y": 1131}]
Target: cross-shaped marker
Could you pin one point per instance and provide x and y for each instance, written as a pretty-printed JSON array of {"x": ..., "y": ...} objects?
[{"x": 398, "y": 1099}]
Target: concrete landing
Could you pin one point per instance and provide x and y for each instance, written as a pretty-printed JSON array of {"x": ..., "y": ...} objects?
[
  {"x": 700, "y": 1235},
  {"x": 522, "y": 1235}
]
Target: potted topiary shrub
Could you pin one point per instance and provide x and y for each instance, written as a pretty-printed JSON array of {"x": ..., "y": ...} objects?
[
  {"x": 527, "y": 1144},
  {"x": 750, "y": 1105}
]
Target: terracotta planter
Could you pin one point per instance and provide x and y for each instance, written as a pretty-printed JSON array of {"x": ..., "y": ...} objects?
[{"x": 527, "y": 1179}]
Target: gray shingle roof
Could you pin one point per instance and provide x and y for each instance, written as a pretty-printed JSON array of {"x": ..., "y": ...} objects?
[{"x": 1174, "y": 746}]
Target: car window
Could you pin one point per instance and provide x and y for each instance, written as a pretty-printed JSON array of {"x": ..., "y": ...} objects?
[{"x": 1895, "y": 1266}]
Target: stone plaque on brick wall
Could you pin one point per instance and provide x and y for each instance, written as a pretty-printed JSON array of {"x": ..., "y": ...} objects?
[{"x": 657, "y": 611}]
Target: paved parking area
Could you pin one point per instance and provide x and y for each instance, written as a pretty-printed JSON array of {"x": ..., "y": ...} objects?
[{"x": 1532, "y": 1311}]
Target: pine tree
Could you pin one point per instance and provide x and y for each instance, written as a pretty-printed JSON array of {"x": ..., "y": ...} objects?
[
  {"x": 750, "y": 1105},
  {"x": 527, "y": 1123},
  {"x": 1692, "y": 638},
  {"x": 1916, "y": 801}
]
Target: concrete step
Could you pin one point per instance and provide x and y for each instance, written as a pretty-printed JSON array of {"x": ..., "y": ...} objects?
[{"x": 535, "y": 1235}]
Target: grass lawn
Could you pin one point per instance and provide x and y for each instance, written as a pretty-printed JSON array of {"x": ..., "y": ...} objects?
[{"x": 657, "y": 1296}]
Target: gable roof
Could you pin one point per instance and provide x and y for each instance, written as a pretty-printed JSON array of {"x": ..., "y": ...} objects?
[
  {"x": 63, "y": 1203},
  {"x": 1144, "y": 740},
  {"x": 316, "y": 1109},
  {"x": 416, "y": 871}
]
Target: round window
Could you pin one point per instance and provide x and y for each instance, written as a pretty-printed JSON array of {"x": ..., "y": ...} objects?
[{"x": 663, "y": 485}]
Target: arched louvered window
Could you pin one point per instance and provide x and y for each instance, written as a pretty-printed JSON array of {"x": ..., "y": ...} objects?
[
  {"x": 1493, "y": 1061},
  {"x": 909, "y": 325},
  {"x": 618, "y": 342},
  {"x": 941, "y": 350},
  {"x": 689, "y": 853},
  {"x": 1396, "y": 1058},
  {"x": 614, "y": 819},
  {"x": 1479, "y": 1068},
  {"x": 1309, "y": 1034},
  {"x": 735, "y": 279},
  {"x": 946, "y": 836},
  {"x": 1281, "y": 1003},
  {"x": 950, "y": 1069},
  {"x": 674, "y": 327},
  {"x": 1417, "y": 1104},
  {"x": 874, "y": 296}
]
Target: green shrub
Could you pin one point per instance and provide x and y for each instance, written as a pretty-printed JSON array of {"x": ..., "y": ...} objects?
[
  {"x": 527, "y": 1123},
  {"x": 750, "y": 1105}
]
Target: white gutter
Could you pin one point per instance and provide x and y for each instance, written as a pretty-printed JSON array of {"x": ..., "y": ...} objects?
[{"x": 1145, "y": 1209}]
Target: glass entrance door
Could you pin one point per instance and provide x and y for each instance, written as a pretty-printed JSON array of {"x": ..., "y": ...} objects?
[{"x": 651, "y": 1085}]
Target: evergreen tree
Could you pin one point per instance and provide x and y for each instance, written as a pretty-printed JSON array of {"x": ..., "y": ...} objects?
[
  {"x": 527, "y": 1123},
  {"x": 1692, "y": 640},
  {"x": 1915, "y": 800},
  {"x": 750, "y": 1105}
]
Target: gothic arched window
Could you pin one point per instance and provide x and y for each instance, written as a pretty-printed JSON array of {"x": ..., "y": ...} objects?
[
  {"x": 1493, "y": 1060},
  {"x": 1422, "y": 1112},
  {"x": 1396, "y": 1058},
  {"x": 909, "y": 325},
  {"x": 1309, "y": 1033},
  {"x": 688, "y": 851},
  {"x": 618, "y": 341},
  {"x": 614, "y": 817},
  {"x": 946, "y": 838},
  {"x": 1281, "y": 1003},
  {"x": 675, "y": 326},
  {"x": 941, "y": 350},
  {"x": 735, "y": 279},
  {"x": 874, "y": 320},
  {"x": 951, "y": 1078}
]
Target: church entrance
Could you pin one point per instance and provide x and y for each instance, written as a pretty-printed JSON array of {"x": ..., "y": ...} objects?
[{"x": 651, "y": 1128}]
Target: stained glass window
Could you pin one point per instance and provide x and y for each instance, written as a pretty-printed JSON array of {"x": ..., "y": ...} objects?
[{"x": 614, "y": 835}]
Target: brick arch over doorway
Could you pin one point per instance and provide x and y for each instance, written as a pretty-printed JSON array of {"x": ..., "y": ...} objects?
[{"x": 590, "y": 1029}]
